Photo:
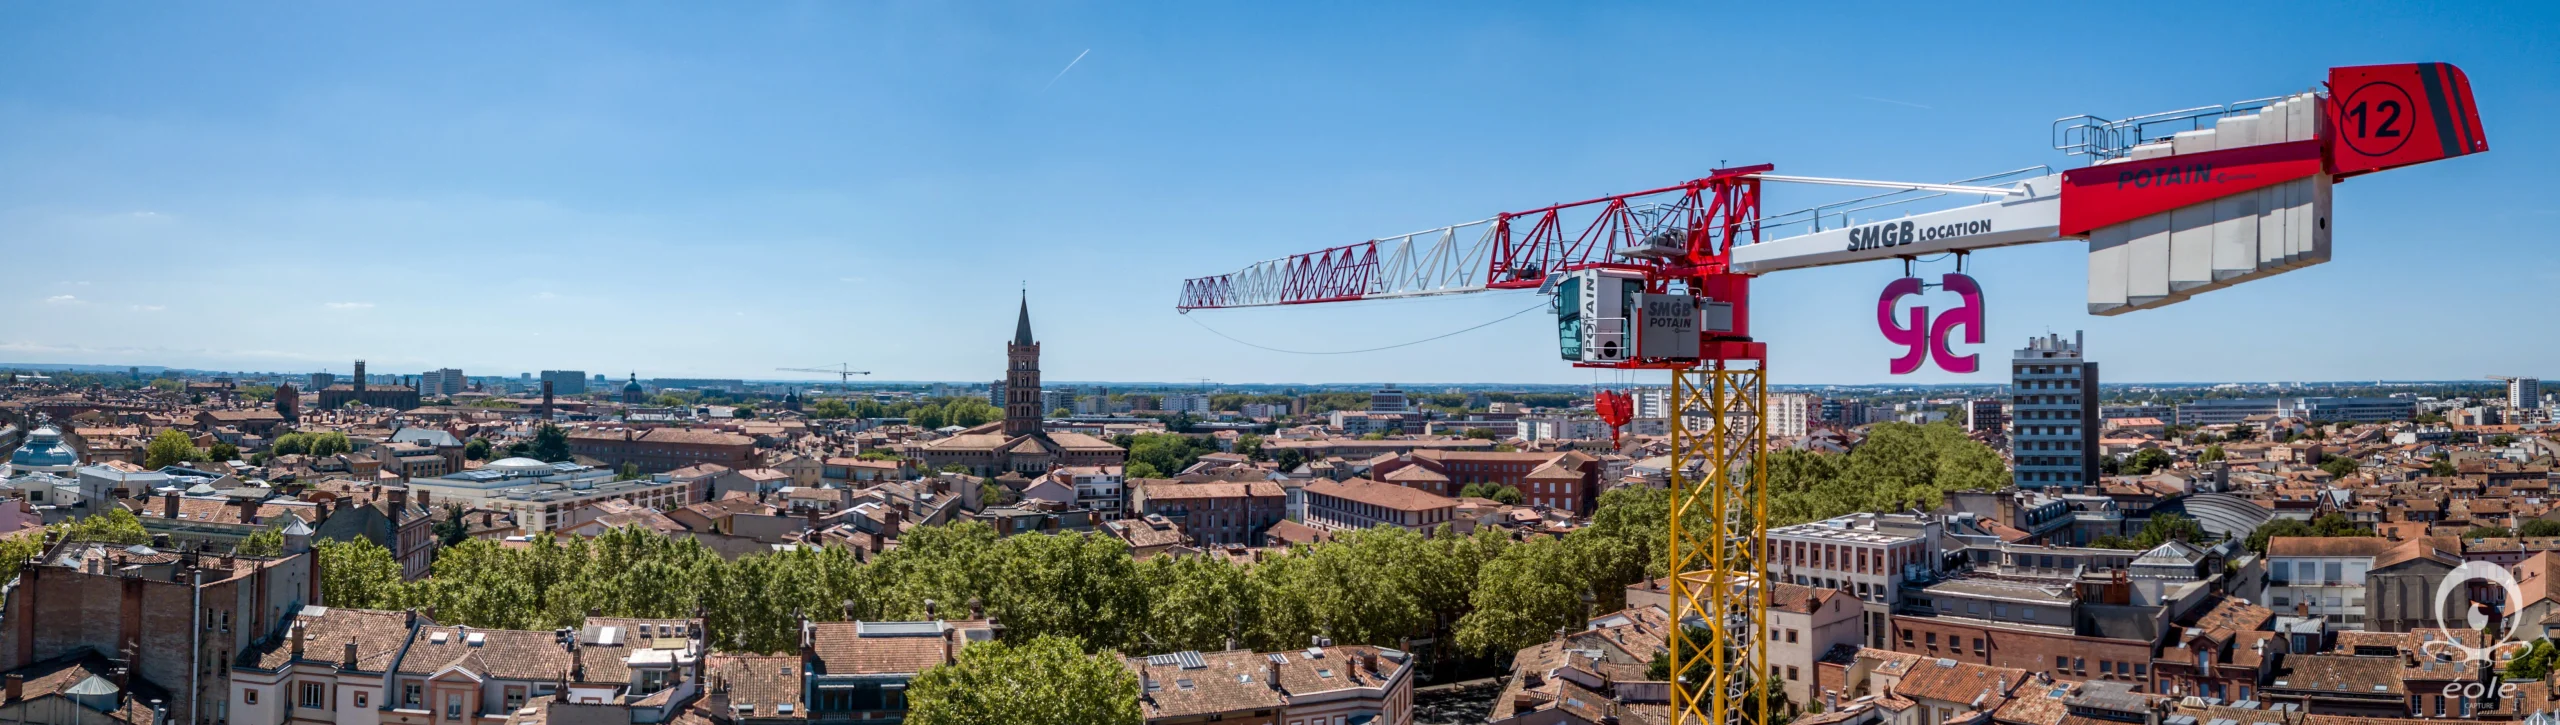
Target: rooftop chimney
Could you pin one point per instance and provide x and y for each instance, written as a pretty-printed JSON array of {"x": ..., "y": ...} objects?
[
  {"x": 17, "y": 687},
  {"x": 350, "y": 661},
  {"x": 294, "y": 633}
]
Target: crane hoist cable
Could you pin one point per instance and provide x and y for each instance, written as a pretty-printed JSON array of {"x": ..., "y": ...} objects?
[{"x": 1214, "y": 331}]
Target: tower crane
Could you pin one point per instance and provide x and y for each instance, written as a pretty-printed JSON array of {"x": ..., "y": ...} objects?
[
  {"x": 2172, "y": 205},
  {"x": 843, "y": 371}
]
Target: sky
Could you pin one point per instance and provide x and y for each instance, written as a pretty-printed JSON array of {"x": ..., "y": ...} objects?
[{"x": 720, "y": 189}]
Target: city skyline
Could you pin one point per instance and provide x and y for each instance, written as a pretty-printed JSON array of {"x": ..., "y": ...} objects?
[{"x": 760, "y": 194}]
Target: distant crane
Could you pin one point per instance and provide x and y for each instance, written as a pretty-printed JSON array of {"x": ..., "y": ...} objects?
[{"x": 844, "y": 372}]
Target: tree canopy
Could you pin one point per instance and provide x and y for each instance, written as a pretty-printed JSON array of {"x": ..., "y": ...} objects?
[
  {"x": 170, "y": 448},
  {"x": 1900, "y": 466},
  {"x": 1042, "y": 681}
]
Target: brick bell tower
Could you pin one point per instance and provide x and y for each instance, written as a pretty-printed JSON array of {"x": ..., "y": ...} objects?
[{"x": 1022, "y": 377}]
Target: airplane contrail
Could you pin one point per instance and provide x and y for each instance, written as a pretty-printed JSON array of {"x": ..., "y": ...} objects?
[{"x": 1062, "y": 72}]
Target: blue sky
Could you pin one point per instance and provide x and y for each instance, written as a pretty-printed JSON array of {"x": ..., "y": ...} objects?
[{"x": 701, "y": 189}]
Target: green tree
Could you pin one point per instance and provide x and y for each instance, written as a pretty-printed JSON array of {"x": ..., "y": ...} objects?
[
  {"x": 477, "y": 449},
  {"x": 1373, "y": 436},
  {"x": 630, "y": 471},
  {"x": 2442, "y": 468},
  {"x": 1289, "y": 459},
  {"x": 550, "y": 444},
  {"x": 743, "y": 411},
  {"x": 1200, "y": 603},
  {"x": 2340, "y": 466},
  {"x": 2165, "y": 528},
  {"x": 2273, "y": 528},
  {"x": 116, "y": 526},
  {"x": 1250, "y": 446},
  {"x": 170, "y": 448},
  {"x": 2539, "y": 528},
  {"x": 2535, "y": 663},
  {"x": 1140, "y": 469},
  {"x": 291, "y": 444},
  {"x": 2488, "y": 532},
  {"x": 2147, "y": 460},
  {"x": 1482, "y": 434},
  {"x": 2112, "y": 541},
  {"x": 221, "y": 451},
  {"x": 830, "y": 409},
  {"x": 359, "y": 574},
  {"x": 1042, "y": 681},
  {"x": 331, "y": 443},
  {"x": 15, "y": 551},
  {"x": 2212, "y": 453},
  {"x": 1522, "y": 597},
  {"x": 2501, "y": 440},
  {"x": 2243, "y": 432},
  {"x": 267, "y": 541},
  {"x": 452, "y": 530}
]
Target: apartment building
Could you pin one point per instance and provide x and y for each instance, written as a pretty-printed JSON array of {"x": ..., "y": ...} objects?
[
  {"x": 1215, "y": 513},
  {"x": 1361, "y": 503},
  {"x": 665, "y": 449},
  {"x": 1868, "y": 555},
  {"x": 2053, "y": 421},
  {"x": 2321, "y": 576},
  {"x": 353, "y": 666}
]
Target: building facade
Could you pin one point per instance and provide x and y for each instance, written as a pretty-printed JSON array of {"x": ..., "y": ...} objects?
[
  {"x": 566, "y": 382},
  {"x": 658, "y": 450},
  {"x": 1213, "y": 514},
  {"x": 2053, "y": 422}
]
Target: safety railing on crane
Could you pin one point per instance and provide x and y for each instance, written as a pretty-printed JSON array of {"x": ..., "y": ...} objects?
[{"x": 2087, "y": 135}]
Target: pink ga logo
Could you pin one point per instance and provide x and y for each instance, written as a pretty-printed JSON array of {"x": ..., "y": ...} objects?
[{"x": 1925, "y": 339}]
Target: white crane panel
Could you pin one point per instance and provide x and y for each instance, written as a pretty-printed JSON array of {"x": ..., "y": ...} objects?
[
  {"x": 2163, "y": 258},
  {"x": 2029, "y": 218},
  {"x": 2191, "y": 229}
]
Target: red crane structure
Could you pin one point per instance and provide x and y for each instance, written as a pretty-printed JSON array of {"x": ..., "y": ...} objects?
[{"x": 2172, "y": 205}]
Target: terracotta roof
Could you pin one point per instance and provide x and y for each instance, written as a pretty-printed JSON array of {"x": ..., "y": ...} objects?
[
  {"x": 378, "y": 636},
  {"x": 762, "y": 683},
  {"x": 507, "y": 654},
  {"x": 842, "y": 649},
  {"x": 1234, "y": 680},
  {"x": 2328, "y": 546},
  {"x": 1945, "y": 680},
  {"x": 1388, "y": 495},
  {"x": 1800, "y": 599},
  {"x": 2344, "y": 674},
  {"x": 1173, "y": 490}
]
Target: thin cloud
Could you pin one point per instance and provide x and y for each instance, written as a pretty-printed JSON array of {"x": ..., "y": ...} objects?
[
  {"x": 1062, "y": 72},
  {"x": 1897, "y": 103},
  {"x": 62, "y": 300},
  {"x": 350, "y": 305},
  {"x": 148, "y": 308}
]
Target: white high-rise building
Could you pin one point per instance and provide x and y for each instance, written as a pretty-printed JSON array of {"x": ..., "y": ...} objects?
[
  {"x": 439, "y": 383},
  {"x": 2524, "y": 393},
  {"x": 1792, "y": 414}
]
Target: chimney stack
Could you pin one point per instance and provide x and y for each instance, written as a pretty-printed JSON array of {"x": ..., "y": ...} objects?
[
  {"x": 170, "y": 511},
  {"x": 17, "y": 687},
  {"x": 350, "y": 662},
  {"x": 294, "y": 632}
]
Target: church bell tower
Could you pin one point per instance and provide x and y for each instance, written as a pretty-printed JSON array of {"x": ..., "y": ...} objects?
[{"x": 1022, "y": 377}]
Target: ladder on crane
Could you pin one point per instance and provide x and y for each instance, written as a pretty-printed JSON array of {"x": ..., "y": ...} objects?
[{"x": 1660, "y": 280}]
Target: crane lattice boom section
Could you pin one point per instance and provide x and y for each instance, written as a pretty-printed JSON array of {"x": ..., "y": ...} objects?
[{"x": 1515, "y": 250}]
